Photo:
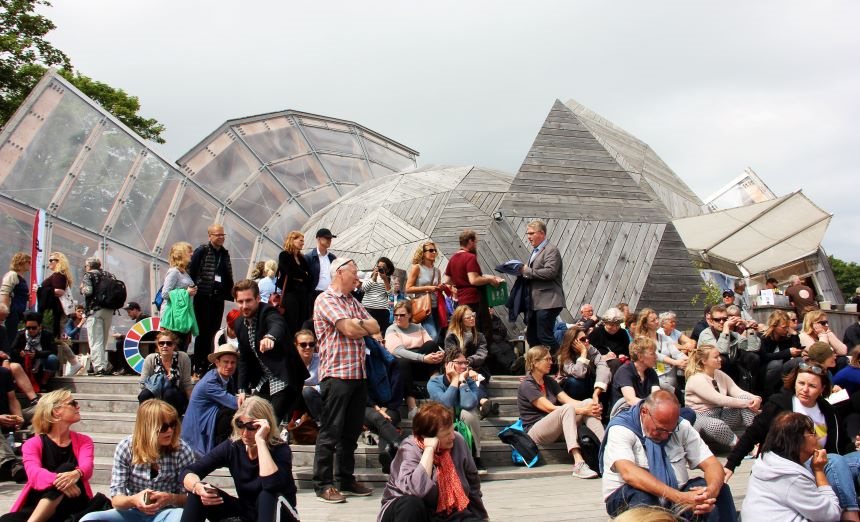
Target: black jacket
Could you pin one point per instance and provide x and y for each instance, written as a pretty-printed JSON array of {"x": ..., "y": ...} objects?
[
  {"x": 837, "y": 439},
  {"x": 46, "y": 338},
  {"x": 283, "y": 360},
  {"x": 313, "y": 260}
]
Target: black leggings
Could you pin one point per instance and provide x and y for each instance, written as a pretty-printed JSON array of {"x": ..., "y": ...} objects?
[
  {"x": 411, "y": 371},
  {"x": 66, "y": 507},
  {"x": 413, "y": 509},
  {"x": 195, "y": 511},
  {"x": 171, "y": 395}
]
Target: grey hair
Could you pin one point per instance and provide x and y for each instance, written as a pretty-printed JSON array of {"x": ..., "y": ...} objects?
[
  {"x": 613, "y": 315},
  {"x": 93, "y": 263},
  {"x": 337, "y": 264},
  {"x": 733, "y": 310},
  {"x": 537, "y": 224},
  {"x": 660, "y": 397},
  {"x": 667, "y": 316},
  {"x": 794, "y": 279}
]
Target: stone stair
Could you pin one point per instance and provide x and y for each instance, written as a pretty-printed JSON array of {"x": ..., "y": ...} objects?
[{"x": 109, "y": 404}]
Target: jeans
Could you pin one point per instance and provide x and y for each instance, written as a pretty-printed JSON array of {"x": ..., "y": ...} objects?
[
  {"x": 579, "y": 389},
  {"x": 842, "y": 472},
  {"x": 267, "y": 504},
  {"x": 313, "y": 402},
  {"x": 98, "y": 327},
  {"x": 541, "y": 328},
  {"x": 51, "y": 364},
  {"x": 133, "y": 515},
  {"x": 627, "y": 497},
  {"x": 342, "y": 417}
]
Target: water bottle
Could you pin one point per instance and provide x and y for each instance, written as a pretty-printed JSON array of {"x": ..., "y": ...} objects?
[{"x": 10, "y": 438}]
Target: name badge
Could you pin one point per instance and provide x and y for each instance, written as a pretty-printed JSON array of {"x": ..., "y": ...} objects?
[{"x": 217, "y": 278}]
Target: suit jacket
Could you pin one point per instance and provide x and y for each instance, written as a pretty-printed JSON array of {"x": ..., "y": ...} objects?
[
  {"x": 283, "y": 360},
  {"x": 313, "y": 259},
  {"x": 544, "y": 274}
]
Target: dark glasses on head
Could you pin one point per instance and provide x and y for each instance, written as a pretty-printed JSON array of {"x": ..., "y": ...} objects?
[
  {"x": 250, "y": 425},
  {"x": 817, "y": 370},
  {"x": 167, "y": 426},
  {"x": 166, "y": 343},
  {"x": 308, "y": 345}
]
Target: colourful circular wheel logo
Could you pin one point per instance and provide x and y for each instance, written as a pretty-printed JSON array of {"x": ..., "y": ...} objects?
[{"x": 131, "y": 347}]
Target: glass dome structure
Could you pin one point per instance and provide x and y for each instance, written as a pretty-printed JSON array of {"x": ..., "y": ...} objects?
[{"x": 106, "y": 193}]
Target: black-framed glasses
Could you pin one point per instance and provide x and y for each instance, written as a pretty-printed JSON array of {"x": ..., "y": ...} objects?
[
  {"x": 460, "y": 362},
  {"x": 811, "y": 368},
  {"x": 664, "y": 430},
  {"x": 401, "y": 315},
  {"x": 167, "y": 426},
  {"x": 52, "y": 260},
  {"x": 166, "y": 343},
  {"x": 432, "y": 250},
  {"x": 307, "y": 345},
  {"x": 250, "y": 425},
  {"x": 823, "y": 323},
  {"x": 719, "y": 319}
]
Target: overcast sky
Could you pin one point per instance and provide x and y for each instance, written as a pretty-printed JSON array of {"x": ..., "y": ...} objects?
[{"x": 713, "y": 88}]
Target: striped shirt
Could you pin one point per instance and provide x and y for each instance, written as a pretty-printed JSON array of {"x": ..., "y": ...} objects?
[
  {"x": 375, "y": 294},
  {"x": 130, "y": 479},
  {"x": 340, "y": 356}
]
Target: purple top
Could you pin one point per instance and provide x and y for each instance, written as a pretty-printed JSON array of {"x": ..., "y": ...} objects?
[{"x": 409, "y": 478}]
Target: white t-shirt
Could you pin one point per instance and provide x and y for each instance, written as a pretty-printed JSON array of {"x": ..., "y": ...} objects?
[
  {"x": 325, "y": 272},
  {"x": 685, "y": 448},
  {"x": 817, "y": 417}
]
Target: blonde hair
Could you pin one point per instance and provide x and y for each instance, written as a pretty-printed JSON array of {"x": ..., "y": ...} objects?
[
  {"x": 63, "y": 267},
  {"x": 177, "y": 254},
  {"x": 418, "y": 255},
  {"x": 776, "y": 318},
  {"x": 257, "y": 408},
  {"x": 43, "y": 415},
  {"x": 696, "y": 364},
  {"x": 270, "y": 268},
  {"x": 289, "y": 245},
  {"x": 535, "y": 354},
  {"x": 812, "y": 317},
  {"x": 641, "y": 327},
  {"x": 456, "y": 326},
  {"x": 151, "y": 414},
  {"x": 640, "y": 345}
]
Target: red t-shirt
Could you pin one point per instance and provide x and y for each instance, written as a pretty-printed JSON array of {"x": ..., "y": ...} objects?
[{"x": 459, "y": 266}]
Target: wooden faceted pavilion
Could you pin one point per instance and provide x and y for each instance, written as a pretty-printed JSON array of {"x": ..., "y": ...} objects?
[{"x": 607, "y": 198}]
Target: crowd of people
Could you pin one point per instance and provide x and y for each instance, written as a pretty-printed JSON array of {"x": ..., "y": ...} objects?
[{"x": 315, "y": 352}]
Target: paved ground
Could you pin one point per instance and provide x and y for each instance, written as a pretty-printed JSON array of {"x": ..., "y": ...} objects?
[{"x": 540, "y": 499}]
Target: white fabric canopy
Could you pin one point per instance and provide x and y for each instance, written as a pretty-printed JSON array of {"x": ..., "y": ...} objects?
[{"x": 758, "y": 237}]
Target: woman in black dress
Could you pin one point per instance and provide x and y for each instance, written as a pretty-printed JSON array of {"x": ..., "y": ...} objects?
[{"x": 293, "y": 276}]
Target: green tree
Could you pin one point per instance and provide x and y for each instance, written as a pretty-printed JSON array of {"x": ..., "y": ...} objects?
[
  {"x": 25, "y": 55},
  {"x": 847, "y": 275}
]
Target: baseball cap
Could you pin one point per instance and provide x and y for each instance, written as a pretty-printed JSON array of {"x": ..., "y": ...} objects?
[
  {"x": 132, "y": 306},
  {"x": 324, "y": 232},
  {"x": 729, "y": 293}
]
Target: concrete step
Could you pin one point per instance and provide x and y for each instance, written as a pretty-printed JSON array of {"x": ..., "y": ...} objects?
[
  {"x": 375, "y": 478},
  {"x": 94, "y": 402},
  {"x": 490, "y": 426},
  {"x": 105, "y": 386},
  {"x": 105, "y": 422}
]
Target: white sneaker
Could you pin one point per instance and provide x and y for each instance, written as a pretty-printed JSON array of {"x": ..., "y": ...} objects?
[
  {"x": 582, "y": 471},
  {"x": 412, "y": 413},
  {"x": 74, "y": 368}
]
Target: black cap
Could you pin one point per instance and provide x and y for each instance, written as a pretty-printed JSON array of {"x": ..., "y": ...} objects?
[
  {"x": 132, "y": 306},
  {"x": 324, "y": 232},
  {"x": 729, "y": 293}
]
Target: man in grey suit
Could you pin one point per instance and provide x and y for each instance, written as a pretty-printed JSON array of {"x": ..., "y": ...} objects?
[{"x": 543, "y": 271}]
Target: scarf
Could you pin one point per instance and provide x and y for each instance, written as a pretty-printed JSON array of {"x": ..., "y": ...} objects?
[
  {"x": 658, "y": 462},
  {"x": 173, "y": 376},
  {"x": 452, "y": 498},
  {"x": 34, "y": 344}
]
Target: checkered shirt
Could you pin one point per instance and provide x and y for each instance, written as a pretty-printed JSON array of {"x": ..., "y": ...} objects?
[
  {"x": 340, "y": 356},
  {"x": 275, "y": 384},
  {"x": 129, "y": 479}
]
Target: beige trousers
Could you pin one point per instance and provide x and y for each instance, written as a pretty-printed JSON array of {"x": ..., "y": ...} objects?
[{"x": 564, "y": 420}]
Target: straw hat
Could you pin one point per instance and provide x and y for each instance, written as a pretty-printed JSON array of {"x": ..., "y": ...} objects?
[{"x": 224, "y": 349}]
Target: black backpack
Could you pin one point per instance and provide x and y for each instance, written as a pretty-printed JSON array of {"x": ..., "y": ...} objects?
[
  {"x": 109, "y": 292},
  {"x": 589, "y": 446}
]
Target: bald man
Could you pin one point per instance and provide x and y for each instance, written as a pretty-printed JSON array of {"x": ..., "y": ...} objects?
[{"x": 645, "y": 457}]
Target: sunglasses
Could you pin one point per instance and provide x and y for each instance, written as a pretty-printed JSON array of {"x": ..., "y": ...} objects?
[
  {"x": 433, "y": 250},
  {"x": 582, "y": 339},
  {"x": 719, "y": 319},
  {"x": 73, "y": 403},
  {"x": 823, "y": 323},
  {"x": 167, "y": 426},
  {"x": 166, "y": 343},
  {"x": 817, "y": 370},
  {"x": 400, "y": 315},
  {"x": 250, "y": 425},
  {"x": 32, "y": 327},
  {"x": 308, "y": 345},
  {"x": 53, "y": 260}
]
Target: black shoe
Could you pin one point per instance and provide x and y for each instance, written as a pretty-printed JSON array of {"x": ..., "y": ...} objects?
[
  {"x": 32, "y": 402},
  {"x": 386, "y": 456},
  {"x": 17, "y": 473},
  {"x": 102, "y": 373},
  {"x": 486, "y": 408},
  {"x": 479, "y": 464}
]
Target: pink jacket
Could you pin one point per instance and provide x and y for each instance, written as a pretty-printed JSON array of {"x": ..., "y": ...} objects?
[{"x": 40, "y": 479}]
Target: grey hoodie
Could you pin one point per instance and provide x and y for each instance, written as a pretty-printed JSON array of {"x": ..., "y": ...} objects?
[{"x": 779, "y": 489}]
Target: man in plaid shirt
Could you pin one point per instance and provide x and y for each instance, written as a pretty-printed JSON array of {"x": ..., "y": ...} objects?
[{"x": 341, "y": 323}]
